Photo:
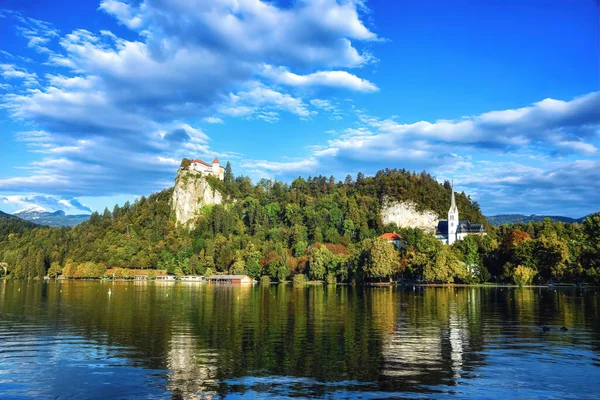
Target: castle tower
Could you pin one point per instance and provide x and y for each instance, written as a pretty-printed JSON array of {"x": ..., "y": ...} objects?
[{"x": 452, "y": 219}]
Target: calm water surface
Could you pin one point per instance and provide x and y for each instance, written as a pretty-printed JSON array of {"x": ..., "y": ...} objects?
[{"x": 72, "y": 340}]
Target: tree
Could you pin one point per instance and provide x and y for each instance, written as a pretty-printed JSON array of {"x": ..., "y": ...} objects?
[
  {"x": 228, "y": 173},
  {"x": 382, "y": 259},
  {"x": 590, "y": 254},
  {"x": 185, "y": 163},
  {"x": 239, "y": 267},
  {"x": 552, "y": 256},
  {"x": 55, "y": 270},
  {"x": 319, "y": 260},
  {"x": 253, "y": 268},
  {"x": 523, "y": 275},
  {"x": 444, "y": 266}
]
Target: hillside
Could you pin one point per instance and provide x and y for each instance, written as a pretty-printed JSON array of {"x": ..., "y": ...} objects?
[
  {"x": 11, "y": 224},
  {"x": 508, "y": 219},
  {"x": 260, "y": 222},
  {"x": 55, "y": 219}
]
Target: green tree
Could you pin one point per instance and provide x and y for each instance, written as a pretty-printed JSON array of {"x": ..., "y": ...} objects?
[
  {"x": 239, "y": 267},
  {"x": 55, "y": 270},
  {"x": 382, "y": 259},
  {"x": 228, "y": 173},
  {"x": 185, "y": 163},
  {"x": 523, "y": 275},
  {"x": 552, "y": 256},
  {"x": 253, "y": 268}
]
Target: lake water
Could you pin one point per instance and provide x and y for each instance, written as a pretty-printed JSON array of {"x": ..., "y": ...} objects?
[{"x": 72, "y": 340}]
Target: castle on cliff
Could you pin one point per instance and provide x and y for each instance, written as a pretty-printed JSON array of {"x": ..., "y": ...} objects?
[
  {"x": 214, "y": 169},
  {"x": 454, "y": 229}
]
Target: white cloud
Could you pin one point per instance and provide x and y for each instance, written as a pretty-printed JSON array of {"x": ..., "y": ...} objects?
[
  {"x": 261, "y": 101},
  {"x": 334, "y": 79},
  {"x": 213, "y": 120}
]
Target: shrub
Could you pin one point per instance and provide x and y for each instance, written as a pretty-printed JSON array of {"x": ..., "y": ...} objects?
[
  {"x": 523, "y": 275},
  {"x": 265, "y": 280},
  {"x": 299, "y": 280},
  {"x": 331, "y": 279}
]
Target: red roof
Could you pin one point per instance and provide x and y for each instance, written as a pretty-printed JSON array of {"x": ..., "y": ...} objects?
[
  {"x": 201, "y": 162},
  {"x": 216, "y": 160},
  {"x": 391, "y": 236}
]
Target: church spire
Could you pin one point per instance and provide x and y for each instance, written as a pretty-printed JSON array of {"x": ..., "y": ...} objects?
[{"x": 452, "y": 201}]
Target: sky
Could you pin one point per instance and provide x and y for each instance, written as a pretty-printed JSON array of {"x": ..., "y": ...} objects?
[{"x": 101, "y": 99}]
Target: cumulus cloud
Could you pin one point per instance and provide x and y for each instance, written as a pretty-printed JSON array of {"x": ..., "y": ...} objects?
[
  {"x": 557, "y": 188},
  {"x": 550, "y": 139},
  {"x": 307, "y": 32},
  {"x": 334, "y": 79},
  {"x": 260, "y": 99},
  {"x": 107, "y": 104}
]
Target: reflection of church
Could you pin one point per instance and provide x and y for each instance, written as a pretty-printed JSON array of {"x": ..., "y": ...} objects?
[
  {"x": 433, "y": 348},
  {"x": 454, "y": 229},
  {"x": 191, "y": 370}
]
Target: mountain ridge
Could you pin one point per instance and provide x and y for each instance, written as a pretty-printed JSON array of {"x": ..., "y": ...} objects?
[
  {"x": 55, "y": 219},
  {"x": 507, "y": 219}
]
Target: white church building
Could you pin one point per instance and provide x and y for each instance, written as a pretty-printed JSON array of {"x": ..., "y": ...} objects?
[
  {"x": 214, "y": 169},
  {"x": 454, "y": 229}
]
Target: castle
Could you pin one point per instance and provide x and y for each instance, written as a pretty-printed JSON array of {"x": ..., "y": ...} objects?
[
  {"x": 454, "y": 229},
  {"x": 214, "y": 169}
]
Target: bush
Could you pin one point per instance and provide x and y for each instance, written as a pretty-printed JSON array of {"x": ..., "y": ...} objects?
[
  {"x": 151, "y": 275},
  {"x": 265, "y": 280},
  {"x": 55, "y": 270},
  {"x": 209, "y": 272},
  {"x": 299, "y": 280},
  {"x": 331, "y": 279},
  {"x": 523, "y": 275}
]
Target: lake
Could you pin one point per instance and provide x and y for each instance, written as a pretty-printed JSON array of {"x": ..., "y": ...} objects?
[{"x": 72, "y": 339}]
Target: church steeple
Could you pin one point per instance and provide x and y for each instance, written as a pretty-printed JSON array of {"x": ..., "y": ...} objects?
[
  {"x": 453, "y": 201},
  {"x": 452, "y": 219}
]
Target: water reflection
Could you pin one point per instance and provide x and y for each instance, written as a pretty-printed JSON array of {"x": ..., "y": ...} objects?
[{"x": 198, "y": 341}]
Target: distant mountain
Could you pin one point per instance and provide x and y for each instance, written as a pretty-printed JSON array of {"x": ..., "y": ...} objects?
[
  {"x": 11, "y": 224},
  {"x": 507, "y": 219},
  {"x": 56, "y": 218}
]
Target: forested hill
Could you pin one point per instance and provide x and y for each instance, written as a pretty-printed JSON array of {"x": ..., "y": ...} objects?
[
  {"x": 11, "y": 224},
  {"x": 257, "y": 224},
  {"x": 508, "y": 219}
]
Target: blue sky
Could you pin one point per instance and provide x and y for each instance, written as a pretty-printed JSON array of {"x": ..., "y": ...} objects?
[{"x": 100, "y": 100}]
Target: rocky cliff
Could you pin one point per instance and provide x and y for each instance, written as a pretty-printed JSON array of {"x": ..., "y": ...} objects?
[
  {"x": 405, "y": 215},
  {"x": 190, "y": 194}
]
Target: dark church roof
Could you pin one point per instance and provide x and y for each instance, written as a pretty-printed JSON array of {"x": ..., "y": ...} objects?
[{"x": 464, "y": 226}]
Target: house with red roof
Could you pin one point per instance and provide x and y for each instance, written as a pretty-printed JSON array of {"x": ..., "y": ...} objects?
[
  {"x": 393, "y": 238},
  {"x": 214, "y": 169}
]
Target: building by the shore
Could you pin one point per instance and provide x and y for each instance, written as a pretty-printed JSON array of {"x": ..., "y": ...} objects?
[{"x": 454, "y": 229}]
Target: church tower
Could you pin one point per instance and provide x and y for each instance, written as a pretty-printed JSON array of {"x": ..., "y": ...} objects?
[{"x": 452, "y": 219}]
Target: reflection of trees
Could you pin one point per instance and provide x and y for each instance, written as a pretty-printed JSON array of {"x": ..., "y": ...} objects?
[{"x": 203, "y": 334}]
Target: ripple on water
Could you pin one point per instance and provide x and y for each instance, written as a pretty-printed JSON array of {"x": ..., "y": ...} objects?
[{"x": 70, "y": 340}]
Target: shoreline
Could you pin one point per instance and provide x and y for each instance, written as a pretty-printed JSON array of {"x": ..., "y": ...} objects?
[{"x": 323, "y": 283}]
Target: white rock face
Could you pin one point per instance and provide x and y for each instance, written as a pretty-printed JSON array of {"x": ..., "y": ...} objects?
[
  {"x": 405, "y": 215},
  {"x": 190, "y": 194}
]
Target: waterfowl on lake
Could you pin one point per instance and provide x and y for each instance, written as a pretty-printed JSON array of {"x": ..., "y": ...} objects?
[
  {"x": 545, "y": 329},
  {"x": 564, "y": 329}
]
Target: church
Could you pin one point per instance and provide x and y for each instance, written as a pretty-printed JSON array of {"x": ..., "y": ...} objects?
[{"x": 454, "y": 229}]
